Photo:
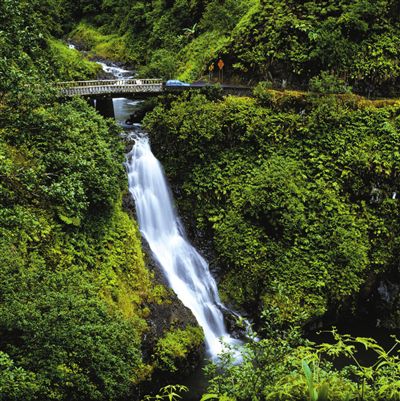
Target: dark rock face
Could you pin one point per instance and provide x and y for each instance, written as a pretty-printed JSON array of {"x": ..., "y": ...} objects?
[
  {"x": 378, "y": 301},
  {"x": 385, "y": 301},
  {"x": 376, "y": 309}
]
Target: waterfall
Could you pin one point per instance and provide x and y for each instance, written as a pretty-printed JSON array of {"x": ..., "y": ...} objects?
[
  {"x": 186, "y": 271},
  {"x": 115, "y": 71}
]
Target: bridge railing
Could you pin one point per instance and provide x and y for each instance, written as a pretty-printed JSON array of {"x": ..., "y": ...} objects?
[
  {"x": 109, "y": 86},
  {"x": 108, "y": 82}
]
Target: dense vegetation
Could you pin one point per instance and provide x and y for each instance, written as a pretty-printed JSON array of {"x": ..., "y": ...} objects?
[
  {"x": 297, "y": 191},
  {"x": 286, "y": 367},
  {"x": 76, "y": 297},
  {"x": 286, "y": 42}
]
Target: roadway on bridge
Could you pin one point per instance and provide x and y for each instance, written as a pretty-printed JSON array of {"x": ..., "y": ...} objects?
[{"x": 133, "y": 87}]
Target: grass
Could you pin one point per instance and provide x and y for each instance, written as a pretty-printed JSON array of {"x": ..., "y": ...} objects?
[
  {"x": 110, "y": 47},
  {"x": 71, "y": 64}
]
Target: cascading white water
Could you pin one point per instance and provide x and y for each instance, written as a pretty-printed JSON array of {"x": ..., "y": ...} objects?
[
  {"x": 116, "y": 72},
  {"x": 186, "y": 271}
]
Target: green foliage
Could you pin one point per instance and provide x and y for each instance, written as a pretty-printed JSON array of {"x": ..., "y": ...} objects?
[
  {"x": 287, "y": 367},
  {"x": 73, "y": 257},
  {"x": 87, "y": 36},
  {"x": 379, "y": 379},
  {"x": 170, "y": 393},
  {"x": 166, "y": 40},
  {"x": 30, "y": 57},
  {"x": 174, "y": 348},
  {"x": 287, "y": 43},
  {"x": 295, "y": 41},
  {"x": 161, "y": 65},
  {"x": 75, "y": 294},
  {"x": 222, "y": 397},
  {"x": 58, "y": 328},
  {"x": 15, "y": 382},
  {"x": 23, "y": 49},
  {"x": 314, "y": 394},
  {"x": 286, "y": 196},
  {"x": 223, "y": 17},
  {"x": 327, "y": 83},
  {"x": 70, "y": 64},
  {"x": 195, "y": 57},
  {"x": 77, "y": 151},
  {"x": 140, "y": 32},
  {"x": 260, "y": 91},
  {"x": 109, "y": 47}
]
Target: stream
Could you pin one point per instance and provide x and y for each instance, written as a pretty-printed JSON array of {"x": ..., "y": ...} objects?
[{"x": 185, "y": 270}]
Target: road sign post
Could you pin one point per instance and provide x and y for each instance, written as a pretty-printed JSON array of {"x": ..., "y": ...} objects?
[
  {"x": 210, "y": 70},
  {"x": 221, "y": 69}
]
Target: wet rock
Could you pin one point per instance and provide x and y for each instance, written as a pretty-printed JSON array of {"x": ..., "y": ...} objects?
[
  {"x": 388, "y": 291},
  {"x": 387, "y": 303},
  {"x": 128, "y": 205}
]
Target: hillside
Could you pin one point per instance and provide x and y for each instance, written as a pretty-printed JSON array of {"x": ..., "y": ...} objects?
[
  {"x": 284, "y": 42},
  {"x": 293, "y": 192}
]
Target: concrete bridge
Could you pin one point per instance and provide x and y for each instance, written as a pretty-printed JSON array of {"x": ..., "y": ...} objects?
[
  {"x": 101, "y": 92},
  {"x": 111, "y": 88}
]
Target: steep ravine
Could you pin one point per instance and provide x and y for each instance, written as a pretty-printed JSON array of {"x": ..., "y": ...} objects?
[{"x": 172, "y": 359}]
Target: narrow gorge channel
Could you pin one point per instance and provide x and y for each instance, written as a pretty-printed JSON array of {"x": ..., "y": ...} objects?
[{"x": 185, "y": 270}]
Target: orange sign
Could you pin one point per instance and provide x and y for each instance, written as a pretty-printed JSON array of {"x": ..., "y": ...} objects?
[{"x": 221, "y": 64}]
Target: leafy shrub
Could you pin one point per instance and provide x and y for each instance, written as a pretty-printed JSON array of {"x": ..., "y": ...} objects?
[
  {"x": 296, "y": 41},
  {"x": 261, "y": 93},
  {"x": 170, "y": 392},
  {"x": 163, "y": 64},
  {"x": 74, "y": 289},
  {"x": 70, "y": 65},
  {"x": 176, "y": 346},
  {"x": 290, "y": 368},
  {"x": 59, "y": 328},
  {"x": 327, "y": 83},
  {"x": 16, "y": 383},
  {"x": 110, "y": 47},
  {"x": 285, "y": 196}
]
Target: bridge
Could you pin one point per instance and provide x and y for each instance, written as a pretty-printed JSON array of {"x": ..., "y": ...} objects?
[
  {"x": 101, "y": 92},
  {"x": 111, "y": 88}
]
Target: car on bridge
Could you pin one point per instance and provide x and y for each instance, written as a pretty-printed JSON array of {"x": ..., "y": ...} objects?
[{"x": 176, "y": 82}]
